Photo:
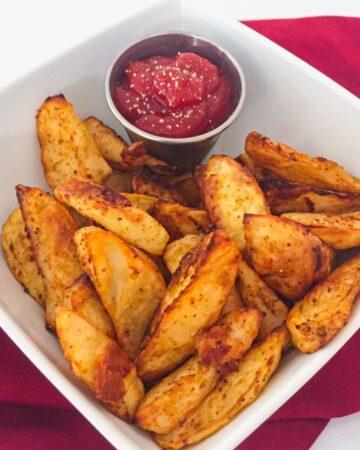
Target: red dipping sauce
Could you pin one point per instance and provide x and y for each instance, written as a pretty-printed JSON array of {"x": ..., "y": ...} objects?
[{"x": 175, "y": 96}]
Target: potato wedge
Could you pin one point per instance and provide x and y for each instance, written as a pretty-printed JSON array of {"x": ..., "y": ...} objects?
[
  {"x": 259, "y": 173},
  {"x": 81, "y": 297},
  {"x": 67, "y": 148},
  {"x": 285, "y": 254},
  {"x": 127, "y": 281},
  {"x": 51, "y": 229},
  {"x": 340, "y": 231},
  {"x": 324, "y": 311},
  {"x": 229, "y": 192},
  {"x": 192, "y": 302},
  {"x": 255, "y": 293},
  {"x": 115, "y": 213},
  {"x": 117, "y": 153},
  {"x": 179, "y": 220},
  {"x": 232, "y": 394},
  {"x": 20, "y": 256},
  {"x": 286, "y": 197},
  {"x": 296, "y": 167},
  {"x": 233, "y": 301},
  {"x": 119, "y": 182},
  {"x": 100, "y": 363},
  {"x": 142, "y": 201},
  {"x": 167, "y": 404}
]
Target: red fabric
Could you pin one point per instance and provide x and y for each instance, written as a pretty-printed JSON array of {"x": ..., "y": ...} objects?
[{"x": 34, "y": 416}]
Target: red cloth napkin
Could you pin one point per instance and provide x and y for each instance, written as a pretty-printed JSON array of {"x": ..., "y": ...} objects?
[{"x": 35, "y": 416}]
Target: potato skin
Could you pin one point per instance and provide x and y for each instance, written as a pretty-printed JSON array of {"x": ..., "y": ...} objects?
[
  {"x": 340, "y": 231},
  {"x": 51, "y": 229},
  {"x": 255, "y": 293},
  {"x": 127, "y": 281},
  {"x": 20, "y": 256},
  {"x": 296, "y": 167},
  {"x": 67, "y": 148},
  {"x": 119, "y": 182},
  {"x": 82, "y": 298},
  {"x": 232, "y": 394},
  {"x": 324, "y": 311},
  {"x": 144, "y": 182},
  {"x": 100, "y": 363},
  {"x": 285, "y": 254},
  {"x": 192, "y": 302},
  {"x": 115, "y": 213},
  {"x": 229, "y": 192}
]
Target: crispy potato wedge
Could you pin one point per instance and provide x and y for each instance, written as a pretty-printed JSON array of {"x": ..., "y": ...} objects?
[
  {"x": 167, "y": 404},
  {"x": 192, "y": 302},
  {"x": 128, "y": 282},
  {"x": 82, "y": 298},
  {"x": 176, "y": 250},
  {"x": 340, "y": 231},
  {"x": 232, "y": 394},
  {"x": 142, "y": 201},
  {"x": 179, "y": 220},
  {"x": 117, "y": 153},
  {"x": 296, "y": 167},
  {"x": 229, "y": 192},
  {"x": 287, "y": 255},
  {"x": 119, "y": 182},
  {"x": 324, "y": 311},
  {"x": 258, "y": 172},
  {"x": 51, "y": 229},
  {"x": 67, "y": 148},
  {"x": 115, "y": 213},
  {"x": 255, "y": 293},
  {"x": 286, "y": 197},
  {"x": 20, "y": 256},
  {"x": 100, "y": 363}
]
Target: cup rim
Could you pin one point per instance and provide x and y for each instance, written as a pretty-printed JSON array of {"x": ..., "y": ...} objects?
[{"x": 166, "y": 140}]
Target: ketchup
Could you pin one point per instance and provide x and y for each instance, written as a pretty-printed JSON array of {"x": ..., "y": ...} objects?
[{"x": 176, "y": 96}]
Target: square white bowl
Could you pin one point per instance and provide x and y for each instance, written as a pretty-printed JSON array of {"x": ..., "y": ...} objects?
[{"x": 286, "y": 99}]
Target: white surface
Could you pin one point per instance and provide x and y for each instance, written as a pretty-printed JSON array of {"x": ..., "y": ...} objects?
[{"x": 40, "y": 30}]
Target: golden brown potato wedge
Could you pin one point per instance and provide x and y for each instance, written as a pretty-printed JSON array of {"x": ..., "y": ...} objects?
[
  {"x": 51, "y": 229},
  {"x": 67, "y": 148},
  {"x": 232, "y": 394},
  {"x": 176, "y": 250},
  {"x": 296, "y": 167},
  {"x": 179, "y": 220},
  {"x": 128, "y": 282},
  {"x": 20, "y": 256},
  {"x": 81, "y": 297},
  {"x": 287, "y": 255},
  {"x": 167, "y": 404},
  {"x": 286, "y": 197},
  {"x": 229, "y": 192},
  {"x": 119, "y": 182},
  {"x": 340, "y": 231},
  {"x": 255, "y": 293},
  {"x": 116, "y": 151},
  {"x": 115, "y": 213},
  {"x": 100, "y": 363},
  {"x": 324, "y": 311},
  {"x": 142, "y": 201},
  {"x": 192, "y": 302}
]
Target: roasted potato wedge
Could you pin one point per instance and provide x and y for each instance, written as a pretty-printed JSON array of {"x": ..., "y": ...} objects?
[
  {"x": 115, "y": 213},
  {"x": 100, "y": 363},
  {"x": 142, "y": 201},
  {"x": 128, "y": 282},
  {"x": 232, "y": 394},
  {"x": 296, "y": 167},
  {"x": 67, "y": 148},
  {"x": 340, "y": 231},
  {"x": 192, "y": 302},
  {"x": 324, "y": 311},
  {"x": 233, "y": 301},
  {"x": 255, "y": 293},
  {"x": 176, "y": 250},
  {"x": 179, "y": 220},
  {"x": 259, "y": 173},
  {"x": 287, "y": 255},
  {"x": 119, "y": 182},
  {"x": 51, "y": 229},
  {"x": 20, "y": 256},
  {"x": 229, "y": 192},
  {"x": 81, "y": 297},
  {"x": 167, "y": 404},
  {"x": 286, "y": 197}
]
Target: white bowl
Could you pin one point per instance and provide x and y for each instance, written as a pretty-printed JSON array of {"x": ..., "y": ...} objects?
[{"x": 286, "y": 99}]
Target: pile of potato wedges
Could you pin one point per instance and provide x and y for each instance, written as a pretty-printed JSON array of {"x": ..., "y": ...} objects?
[{"x": 174, "y": 296}]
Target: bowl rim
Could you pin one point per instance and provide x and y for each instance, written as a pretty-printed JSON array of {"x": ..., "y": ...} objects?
[{"x": 175, "y": 141}]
